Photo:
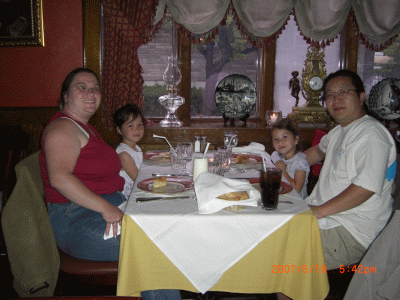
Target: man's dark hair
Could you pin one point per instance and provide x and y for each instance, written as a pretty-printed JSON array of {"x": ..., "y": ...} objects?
[{"x": 355, "y": 80}]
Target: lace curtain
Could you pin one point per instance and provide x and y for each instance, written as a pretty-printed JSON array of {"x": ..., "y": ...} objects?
[{"x": 131, "y": 23}]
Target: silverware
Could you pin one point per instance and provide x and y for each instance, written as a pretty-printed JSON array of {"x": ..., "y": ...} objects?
[
  {"x": 170, "y": 175},
  {"x": 284, "y": 201},
  {"x": 145, "y": 199}
]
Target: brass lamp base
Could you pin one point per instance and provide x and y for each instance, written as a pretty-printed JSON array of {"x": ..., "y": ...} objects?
[{"x": 315, "y": 115}]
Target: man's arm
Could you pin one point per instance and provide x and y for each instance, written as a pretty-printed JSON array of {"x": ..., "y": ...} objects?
[
  {"x": 314, "y": 155},
  {"x": 351, "y": 197}
]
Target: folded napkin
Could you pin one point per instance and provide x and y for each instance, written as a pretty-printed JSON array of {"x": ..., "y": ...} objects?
[
  {"x": 209, "y": 186},
  {"x": 110, "y": 233},
  {"x": 253, "y": 147}
]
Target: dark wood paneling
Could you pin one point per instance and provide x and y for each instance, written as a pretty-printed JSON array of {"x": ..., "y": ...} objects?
[{"x": 33, "y": 119}]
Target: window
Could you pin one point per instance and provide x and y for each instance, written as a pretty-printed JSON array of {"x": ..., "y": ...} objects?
[
  {"x": 154, "y": 59},
  {"x": 229, "y": 53},
  {"x": 375, "y": 66},
  {"x": 243, "y": 59},
  {"x": 291, "y": 50}
]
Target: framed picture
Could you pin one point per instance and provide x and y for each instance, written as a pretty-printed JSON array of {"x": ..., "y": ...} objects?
[{"x": 21, "y": 23}]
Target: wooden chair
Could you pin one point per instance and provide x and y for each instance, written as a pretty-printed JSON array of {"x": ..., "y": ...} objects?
[
  {"x": 339, "y": 281},
  {"x": 15, "y": 143},
  {"x": 27, "y": 201}
]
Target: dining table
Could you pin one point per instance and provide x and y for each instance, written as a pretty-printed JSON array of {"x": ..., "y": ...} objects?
[{"x": 170, "y": 244}]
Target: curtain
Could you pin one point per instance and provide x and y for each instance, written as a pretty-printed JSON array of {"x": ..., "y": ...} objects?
[
  {"x": 377, "y": 22},
  {"x": 128, "y": 24}
]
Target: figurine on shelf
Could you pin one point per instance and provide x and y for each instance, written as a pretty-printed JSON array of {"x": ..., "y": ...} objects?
[{"x": 294, "y": 85}]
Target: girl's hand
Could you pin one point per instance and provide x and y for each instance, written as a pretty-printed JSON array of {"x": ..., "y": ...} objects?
[{"x": 281, "y": 165}]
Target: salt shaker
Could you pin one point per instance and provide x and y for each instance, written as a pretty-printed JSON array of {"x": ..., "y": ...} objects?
[
  {"x": 203, "y": 144},
  {"x": 197, "y": 145}
]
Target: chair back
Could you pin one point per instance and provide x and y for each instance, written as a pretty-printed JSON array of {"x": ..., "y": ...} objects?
[{"x": 28, "y": 235}]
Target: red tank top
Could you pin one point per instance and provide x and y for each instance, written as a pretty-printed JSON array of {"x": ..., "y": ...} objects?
[{"x": 97, "y": 167}]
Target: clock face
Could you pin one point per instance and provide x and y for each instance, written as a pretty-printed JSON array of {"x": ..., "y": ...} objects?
[{"x": 316, "y": 83}]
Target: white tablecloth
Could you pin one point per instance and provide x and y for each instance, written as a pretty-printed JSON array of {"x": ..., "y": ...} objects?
[{"x": 203, "y": 247}]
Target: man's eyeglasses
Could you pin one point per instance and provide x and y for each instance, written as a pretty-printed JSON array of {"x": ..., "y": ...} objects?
[
  {"x": 83, "y": 88},
  {"x": 331, "y": 95}
]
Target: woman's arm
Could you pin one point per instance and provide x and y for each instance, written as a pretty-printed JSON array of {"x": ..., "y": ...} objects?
[
  {"x": 63, "y": 141},
  {"x": 128, "y": 164}
]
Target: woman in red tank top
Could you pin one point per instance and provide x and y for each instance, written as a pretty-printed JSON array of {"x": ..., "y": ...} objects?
[
  {"x": 81, "y": 177},
  {"x": 81, "y": 173}
]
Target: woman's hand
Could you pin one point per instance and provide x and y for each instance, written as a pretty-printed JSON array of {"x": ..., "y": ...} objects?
[{"x": 113, "y": 216}]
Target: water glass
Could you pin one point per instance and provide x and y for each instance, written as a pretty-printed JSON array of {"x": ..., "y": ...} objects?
[
  {"x": 185, "y": 152},
  {"x": 231, "y": 138},
  {"x": 175, "y": 162},
  {"x": 225, "y": 158},
  {"x": 214, "y": 164}
]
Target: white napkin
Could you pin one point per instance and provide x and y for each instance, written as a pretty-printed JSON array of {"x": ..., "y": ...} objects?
[
  {"x": 110, "y": 233},
  {"x": 253, "y": 147},
  {"x": 209, "y": 186}
]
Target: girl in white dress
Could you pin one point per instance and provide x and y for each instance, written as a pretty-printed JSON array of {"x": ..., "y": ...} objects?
[
  {"x": 129, "y": 122},
  {"x": 288, "y": 157}
]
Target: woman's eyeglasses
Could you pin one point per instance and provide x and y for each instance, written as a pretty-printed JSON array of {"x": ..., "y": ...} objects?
[{"x": 83, "y": 88}]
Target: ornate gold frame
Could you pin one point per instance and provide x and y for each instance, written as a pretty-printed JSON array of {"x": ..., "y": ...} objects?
[{"x": 34, "y": 20}]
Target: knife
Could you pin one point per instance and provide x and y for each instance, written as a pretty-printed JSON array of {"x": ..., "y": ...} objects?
[
  {"x": 145, "y": 199},
  {"x": 170, "y": 175}
]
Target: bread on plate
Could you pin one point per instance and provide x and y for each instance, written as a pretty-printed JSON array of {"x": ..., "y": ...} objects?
[
  {"x": 235, "y": 196},
  {"x": 159, "y": 182},
  {"x": 242, "y": 158}
]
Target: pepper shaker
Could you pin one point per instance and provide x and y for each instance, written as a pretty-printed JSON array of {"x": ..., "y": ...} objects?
[{"x": 203, "y": 144}]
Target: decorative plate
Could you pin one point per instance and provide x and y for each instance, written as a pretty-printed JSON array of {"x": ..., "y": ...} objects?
[
  {"x": 285, "y": 187},
  {"x": 174, "y": 185},
  {"x": 235, "y": 96}
]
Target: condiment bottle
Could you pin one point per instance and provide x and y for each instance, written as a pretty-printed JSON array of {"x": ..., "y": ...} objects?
[
  {"x": 197, "y": 146},
  {"x": 203, "y": 144}
]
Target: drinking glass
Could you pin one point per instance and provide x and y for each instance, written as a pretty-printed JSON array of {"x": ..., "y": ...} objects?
[
  {"x": 175, "y": 163},
  {"x": 185, "y": 152},
  {"x": 214, "y": 164},
  {"x": 225, "y": 158},
  {"x": 270, "y": 184},
  {"x": 231, "y": 135}
]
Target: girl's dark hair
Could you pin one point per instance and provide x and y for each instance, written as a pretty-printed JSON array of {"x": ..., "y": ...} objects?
[
  {"x": 289, "y": 126},
  {"x": 67, "y": 83},
  {"x": 125, "y": 112}
]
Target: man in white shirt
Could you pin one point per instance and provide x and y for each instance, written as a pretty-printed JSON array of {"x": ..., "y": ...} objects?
[{"x": 352, "y": 198}]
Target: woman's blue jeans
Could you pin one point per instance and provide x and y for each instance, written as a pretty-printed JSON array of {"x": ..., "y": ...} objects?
[{"x": 79, "y": 231}]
